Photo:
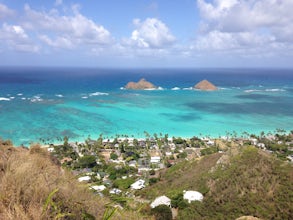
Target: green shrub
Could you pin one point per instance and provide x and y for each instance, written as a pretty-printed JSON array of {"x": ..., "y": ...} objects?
[{"x": 162, "y": 212}]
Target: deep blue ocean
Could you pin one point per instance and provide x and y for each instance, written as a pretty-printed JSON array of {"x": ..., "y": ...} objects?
[{"x": 50, "y": 103}]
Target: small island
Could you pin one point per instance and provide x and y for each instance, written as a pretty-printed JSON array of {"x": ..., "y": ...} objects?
[
  {"x": 205, "y": 86},
  {"x": 140, "y": 85}
]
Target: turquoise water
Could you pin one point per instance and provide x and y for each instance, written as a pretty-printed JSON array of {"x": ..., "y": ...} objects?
[{"x": 52, "y": 103}]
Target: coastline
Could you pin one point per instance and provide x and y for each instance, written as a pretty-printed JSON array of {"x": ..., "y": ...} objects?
[{"x": 123, "y": 137}]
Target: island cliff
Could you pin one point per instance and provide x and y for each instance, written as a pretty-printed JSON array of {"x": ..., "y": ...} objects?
[
  {"x": 205, "y": 86},
  {"x": 141, "y": 84}
]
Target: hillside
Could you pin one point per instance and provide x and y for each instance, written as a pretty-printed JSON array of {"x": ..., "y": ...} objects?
[
  {"x": 33, "y": 186},
  {"x": 250, "y": 183}
]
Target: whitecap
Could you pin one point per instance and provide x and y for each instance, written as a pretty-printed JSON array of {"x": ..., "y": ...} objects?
[
  {"x": 188, "y": 88},
  {"x": 160, "y": 88},
  {"x": 19, "y": 94},
  {"x": 175, "y": 88},
  {"x": 122, "y": 88},
  {"x": 252, "y": 90},
  {"x": 12, "y": 97},
  {"x": 59, "y": 95},
  {"x": 275, "y": 90},
  {"x": 36, "y": 98},
  {"x": 84, "y": 97},
  {"x": 98, "y": 93},
  {"x": 23, "y": 98},
  {"x": 4, "y": 99},
  {"x": 222, "y": 88}
]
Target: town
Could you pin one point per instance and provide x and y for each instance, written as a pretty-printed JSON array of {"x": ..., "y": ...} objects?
[{"x": 123, "y": 165}]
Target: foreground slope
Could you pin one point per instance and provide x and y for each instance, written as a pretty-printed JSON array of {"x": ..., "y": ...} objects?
[
  {"x": 33, "y": 186},
  {"x": 250, "y": 183}
]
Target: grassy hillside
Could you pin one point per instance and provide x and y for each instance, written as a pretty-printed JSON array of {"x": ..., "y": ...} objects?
[
  {"x": 33, "y": 186},
  {"x": 249, "y": 183}
]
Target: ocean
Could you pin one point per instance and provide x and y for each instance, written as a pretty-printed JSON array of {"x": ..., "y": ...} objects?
[{"x": 45, "y": 104}]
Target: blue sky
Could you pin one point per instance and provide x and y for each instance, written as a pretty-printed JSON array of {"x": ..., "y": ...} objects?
[{"x": 132, "y": 33}]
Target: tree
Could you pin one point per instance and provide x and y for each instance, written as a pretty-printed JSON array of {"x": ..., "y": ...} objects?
[
  {"x": 87, "y": 161},
  {"x": 65, "y": 139},
  {"x": 113, "y": 156},
  {"x": 182, "y": 155}
]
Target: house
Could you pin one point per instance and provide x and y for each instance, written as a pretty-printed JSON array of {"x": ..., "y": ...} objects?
[
  {"x": 115, "y": 191},
  {"x": 253, "y": 141},
  {"x": 139, "y": 184},
  {"x": 210, "y": 142},
  {"x": 98, "y": 188},
  {"x": 290, "y": 157},
  {"x": 168, "y": 153},
  {"x": 156, "y": 159},
  {"x": 192, "y": 196},
  {"x": 132, "y": 163},
  {"x": 162, "y": 200},
  {"x": 50, "y": 149},
  {"x": 261, "y": 145},
  {"x": 84, "y": 178}
]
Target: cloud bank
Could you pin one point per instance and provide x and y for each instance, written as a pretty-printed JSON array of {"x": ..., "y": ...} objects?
[{"x": 236, "y": 29}]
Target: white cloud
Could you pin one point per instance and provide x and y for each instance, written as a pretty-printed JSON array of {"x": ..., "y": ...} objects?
[
  {"x": 150, "y": 33},
  {"x": 5, "y": 11},
  {"x": 243, "y": 15},
  {"x": 59, "y": 42},
  {"x": 77, "y": 29},
  {"x": 245, "y": 27},
  {"x": 216, "y": 40},
  {"x": 16, "y": 38}
]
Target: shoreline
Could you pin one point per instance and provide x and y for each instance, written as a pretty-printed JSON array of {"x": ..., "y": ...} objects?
[{"x": 122, "y": 137}]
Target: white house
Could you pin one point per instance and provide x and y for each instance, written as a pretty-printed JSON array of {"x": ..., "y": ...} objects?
[
  {"x": 210, "y": 142},
  {"x": 155, "y": 159},
  {"x": 261, "y": 145},
  {"x": 84, "y": 178},
  {"x": 139, "y": 184},
  {"x": 192, "y": 196},
  {"x": 50, "y": 149},
  {"x": 98, "y": 188},
  {"x": 115, "y": 191},
  {"x": 162, "y": 200}
]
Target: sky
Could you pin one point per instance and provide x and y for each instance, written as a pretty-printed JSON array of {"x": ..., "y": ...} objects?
[{"x": 141, "y": 33}]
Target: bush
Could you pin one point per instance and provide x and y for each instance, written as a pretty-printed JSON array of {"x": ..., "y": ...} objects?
[
  {"x": 113, "y": 156},
  {"x": 209, "y": 150},
  {"x": 153, "y": 180},
  {"x": 162, "y": 212},
  {"x": 87, "y": 161},
  {"x": 177, "y": 201},
  {"x": 182, "y": 155},
  {"x": 123, "y": 183}
]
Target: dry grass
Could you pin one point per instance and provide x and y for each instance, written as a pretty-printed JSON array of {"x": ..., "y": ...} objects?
[{"x": 28, "y": 177}]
